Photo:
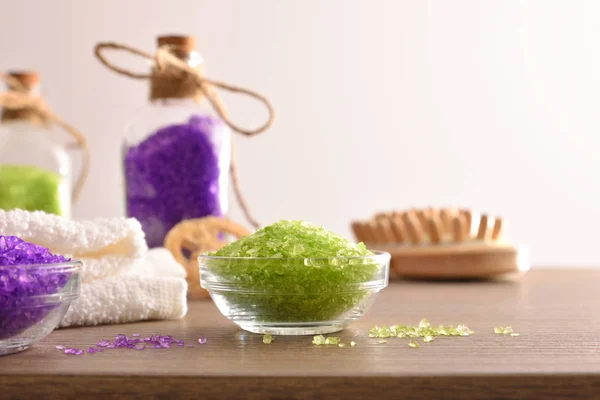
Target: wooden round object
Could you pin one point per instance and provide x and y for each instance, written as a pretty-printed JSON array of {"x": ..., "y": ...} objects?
[
  {"x": 190, "y": 238},
  {"x": 454, "y": 262}
]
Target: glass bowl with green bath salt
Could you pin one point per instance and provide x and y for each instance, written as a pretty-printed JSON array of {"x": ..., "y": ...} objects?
[{"x": 293, "y": 278}]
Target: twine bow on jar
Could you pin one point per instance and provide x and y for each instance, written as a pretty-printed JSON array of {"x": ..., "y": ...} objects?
[
  {"x": 171, "y": 72},
  {"x": 19, "y": 101}
]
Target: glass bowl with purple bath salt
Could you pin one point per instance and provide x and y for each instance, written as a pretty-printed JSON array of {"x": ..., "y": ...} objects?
[{"x": 36, "y": 290}]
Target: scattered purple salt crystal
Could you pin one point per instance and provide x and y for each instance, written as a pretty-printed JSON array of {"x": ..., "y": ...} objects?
[
  {"x": 60, "y": 347},
  {"x": 136, "y": 334},
  {"x": 124, "y": 342},
  {"x": 73, "y": 351},
  {"x": 202, "y": 340},
  {"x": 174, "y": 174}
]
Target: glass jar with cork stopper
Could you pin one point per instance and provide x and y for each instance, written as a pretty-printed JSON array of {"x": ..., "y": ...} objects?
[
  {"x": 177, "y": 149},
  {"x": 176, "y": 152},
  {"x": 35, "y": 170}
]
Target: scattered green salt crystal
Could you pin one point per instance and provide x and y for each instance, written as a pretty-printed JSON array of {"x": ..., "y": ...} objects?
[
  {"x": 342, "y": 345},
  {"x": 424, "y": 329},
  {"x": 428, "y": 339},
  {"x": 319, "y": 340},
  {"x": 384, "y": 332},
  {"x": 267, "y": 339},
  {"x": 464, "y": 330},
  {"x": 382, "y": 341},
  {"x": 302, "y": 274},
  {"x": 332, "y": 340},
  {"x": 353, "y": 343},
  {"x": 413, "y": 344},
  {"x": 507, "y": 330},
  {"x": 424, "y": 323},
  {"x": 396, "y": 329}
]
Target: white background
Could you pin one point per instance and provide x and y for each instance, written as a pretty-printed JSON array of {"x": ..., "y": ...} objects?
[{"x": 380, "y": 104}]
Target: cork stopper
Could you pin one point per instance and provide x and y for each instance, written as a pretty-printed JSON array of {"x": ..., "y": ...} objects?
[
  {"x": 165, "y": 85},
  {"x": 29, "y": 79},
  {"x": 184, "y": 44}
]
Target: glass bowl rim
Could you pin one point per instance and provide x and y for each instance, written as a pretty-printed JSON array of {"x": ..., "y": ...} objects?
[
  {"x": 378, "y": 255},
  {"x": 73, "y": 265}
]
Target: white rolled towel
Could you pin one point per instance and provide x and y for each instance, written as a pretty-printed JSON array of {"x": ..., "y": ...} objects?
[
  {"x": 121, "y": 280},
  {"x": 156, "y": 289},
  {"x": 106, "y": 246},
  {"x": 94, "y": 238}
]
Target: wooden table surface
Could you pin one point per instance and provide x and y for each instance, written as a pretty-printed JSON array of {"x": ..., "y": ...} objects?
[{"x": 557, "y": 355}]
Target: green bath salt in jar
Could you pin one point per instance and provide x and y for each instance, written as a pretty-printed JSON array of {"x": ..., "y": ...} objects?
[
  {"x": 35, "y": 168},
  {"x": 30, "y": 188},
  {"x": 292, "y": 277}
]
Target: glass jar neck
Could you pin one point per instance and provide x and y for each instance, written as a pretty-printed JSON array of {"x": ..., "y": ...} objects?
[{"x": 23, "y": 114}]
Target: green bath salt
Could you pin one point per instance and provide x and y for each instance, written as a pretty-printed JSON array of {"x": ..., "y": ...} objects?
[
  {"x": 30, "y": 188},
  {"x": 293, "y": 271}
]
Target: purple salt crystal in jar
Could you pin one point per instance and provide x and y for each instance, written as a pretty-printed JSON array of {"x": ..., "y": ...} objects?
[
  {"x": 174, "y": 175},
  {"x": 23, "y": 277}
]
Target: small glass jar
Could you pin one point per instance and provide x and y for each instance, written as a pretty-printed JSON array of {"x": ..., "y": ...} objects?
[
  {"x": 176, "y": 155},
  {"x": 35, "y": 170}
]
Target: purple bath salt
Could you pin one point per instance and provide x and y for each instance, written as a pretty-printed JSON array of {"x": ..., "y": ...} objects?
[
  {"x": 23, "y": 277},
  {"x": 123, "y": 341},
  {"x": 173, "y": 175}
]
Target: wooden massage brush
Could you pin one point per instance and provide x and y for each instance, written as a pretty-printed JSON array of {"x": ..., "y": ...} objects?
[
  {"x": 445, "y": 243},
  {"x": 190, "y": 238}
]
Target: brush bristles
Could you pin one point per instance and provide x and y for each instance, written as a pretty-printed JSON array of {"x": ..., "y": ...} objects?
[{"x": 429, "y": 226}]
